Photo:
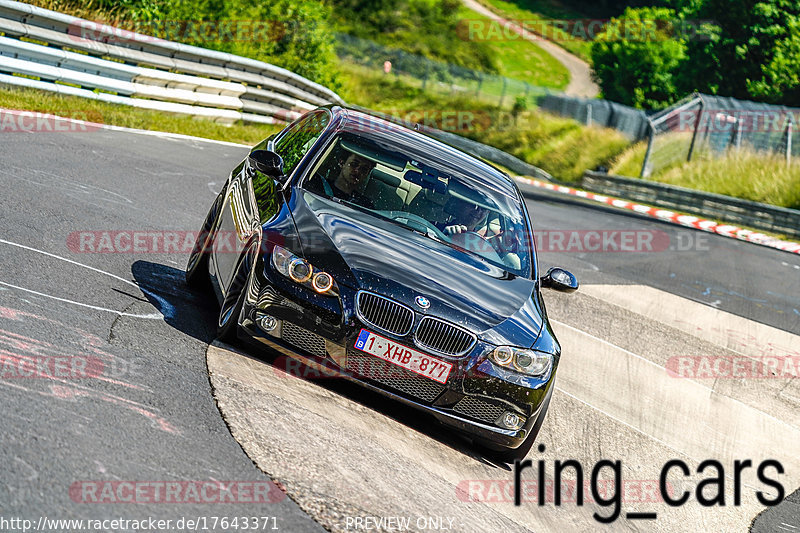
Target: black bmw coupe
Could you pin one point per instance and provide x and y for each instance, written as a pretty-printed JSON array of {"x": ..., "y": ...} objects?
[{"x": 398, "y": 261}]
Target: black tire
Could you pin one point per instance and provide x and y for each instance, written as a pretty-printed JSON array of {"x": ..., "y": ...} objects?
[
  {"x": 231, "y": 308},
  {"x": 197, "y": 267},
  {"x": 509, "y": 455}
]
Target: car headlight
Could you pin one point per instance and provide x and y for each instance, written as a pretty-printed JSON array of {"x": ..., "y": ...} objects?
[
  {"x": 302, "y": 272},
  {"x": 523, "y": 360}
]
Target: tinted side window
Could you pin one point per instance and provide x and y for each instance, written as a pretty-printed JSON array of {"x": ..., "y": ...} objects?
[{"x": 296, "y": 142}]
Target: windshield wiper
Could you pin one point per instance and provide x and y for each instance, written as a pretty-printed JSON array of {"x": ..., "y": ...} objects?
[
  {"x": 416, "y": 230},
  {"x": 431, "y": 234}
]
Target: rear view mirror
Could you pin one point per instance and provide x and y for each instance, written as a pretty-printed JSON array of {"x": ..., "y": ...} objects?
[
  {"x": 559, "y": 279},
  {"x": 266, "y": 162}
]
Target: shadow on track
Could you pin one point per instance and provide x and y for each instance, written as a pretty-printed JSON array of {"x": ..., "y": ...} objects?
[
  {"x": 190, "y": 312},
  {"x": 195, "y": 314}
]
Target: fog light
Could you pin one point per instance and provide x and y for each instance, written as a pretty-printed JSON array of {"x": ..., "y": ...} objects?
[
  {"x": 299, "y": 270},
  {"x": 267, "y": 323},
  {"x": 511, "y": 420}
]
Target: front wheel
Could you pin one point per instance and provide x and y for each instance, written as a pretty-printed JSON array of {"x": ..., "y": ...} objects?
[
  {"x": 228, "y": 322},
  {"x": 197, "y": 266}
]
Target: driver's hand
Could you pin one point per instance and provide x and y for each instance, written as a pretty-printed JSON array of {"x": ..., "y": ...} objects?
[{"x": 455, "y": 228}]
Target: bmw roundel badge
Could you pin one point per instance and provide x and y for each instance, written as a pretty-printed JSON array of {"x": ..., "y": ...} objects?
[{"x": 422, "y": 302}]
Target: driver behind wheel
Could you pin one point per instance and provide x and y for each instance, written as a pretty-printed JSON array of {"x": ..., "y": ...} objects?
[{"x": 466, "y": 218}]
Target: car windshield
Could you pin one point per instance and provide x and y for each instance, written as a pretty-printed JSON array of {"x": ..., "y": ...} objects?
[{"x": 427, "y": 196}]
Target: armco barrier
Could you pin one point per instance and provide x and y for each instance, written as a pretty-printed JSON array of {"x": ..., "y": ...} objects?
[
  {"x": 89, "y": 59},
  {"x": 756, "y": 215}
]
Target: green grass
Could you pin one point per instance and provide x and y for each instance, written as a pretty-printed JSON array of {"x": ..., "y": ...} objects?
[
  {"x": 299, "y": 36},
  {"x": 542, "y": 12},
  {"x": 561, "y": 146},
  {"x": 119, "y": 115},
  {"x": 629, "y": 162},
  {"x": 744, "y": 174},
  {"x": 422, "y": 28},
  {"x": 519, "y": 68},
  {"x": 669, "y": 150},
  {"x": 468, "y": 92},
  {"x": 523, "y": 60},
  {"x": 375, "y": 90},
  {"x": 88, "y": 9}
]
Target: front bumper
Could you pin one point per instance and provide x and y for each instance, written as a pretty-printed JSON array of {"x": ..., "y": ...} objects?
[{"x": 321, "y": 332}]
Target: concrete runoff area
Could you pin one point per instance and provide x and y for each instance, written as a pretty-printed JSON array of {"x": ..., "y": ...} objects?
[
  {"x": 345, "y": 454},
  {"x": 339, "y": 450}
]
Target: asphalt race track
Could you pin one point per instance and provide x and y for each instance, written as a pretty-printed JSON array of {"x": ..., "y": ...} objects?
[{"x": 169, "y": 404}]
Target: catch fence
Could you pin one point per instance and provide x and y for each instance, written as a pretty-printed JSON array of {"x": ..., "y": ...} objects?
[
  {"x": 435, "y": 76},
  {"x": 711, "y": 126}
]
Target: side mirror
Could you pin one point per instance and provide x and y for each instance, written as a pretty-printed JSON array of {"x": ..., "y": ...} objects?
[
  {"x": 266, "y": 162},
  {"x": 559, "y": 279}
]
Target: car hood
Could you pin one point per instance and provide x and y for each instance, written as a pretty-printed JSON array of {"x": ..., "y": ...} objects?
[{"x": 366, "y": 252}]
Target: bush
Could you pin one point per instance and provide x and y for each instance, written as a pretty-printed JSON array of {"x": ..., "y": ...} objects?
[
  {"x": 427, "y": 28},
  {"x": 746, "y": 50},
  {"x": 752, "y": 51},
  {"x": 636, "y": 60},
  {"x": 561, "y": 146},
  {"x": 302, "y": 40}
]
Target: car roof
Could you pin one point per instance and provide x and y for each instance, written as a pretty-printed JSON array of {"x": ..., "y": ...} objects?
[{"x": 358, "y": 122}]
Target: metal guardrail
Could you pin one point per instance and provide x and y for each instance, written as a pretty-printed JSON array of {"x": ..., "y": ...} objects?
[
  {"x": 756, "y": 215},
  {"x": 91, "y": 60}
]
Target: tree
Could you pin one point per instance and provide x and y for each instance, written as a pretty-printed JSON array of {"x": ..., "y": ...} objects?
[
  {"x": 293, "y": 34},
  {"x": 751, "y": 51},
  {"x": 636, "y": 58}
]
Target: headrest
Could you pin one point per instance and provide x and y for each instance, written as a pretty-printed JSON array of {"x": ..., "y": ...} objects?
[{"x": 385, "y": 177}]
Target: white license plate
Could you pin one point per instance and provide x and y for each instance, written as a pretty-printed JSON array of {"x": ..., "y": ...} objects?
[{"x": 404, "y": 357}]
